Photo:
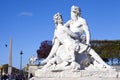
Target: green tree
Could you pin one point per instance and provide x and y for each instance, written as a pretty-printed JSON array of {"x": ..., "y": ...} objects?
[{"x": 107, "y": 48}]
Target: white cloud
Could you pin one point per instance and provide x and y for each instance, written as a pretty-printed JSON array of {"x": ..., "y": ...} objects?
[{"x": 25, "y": 14}]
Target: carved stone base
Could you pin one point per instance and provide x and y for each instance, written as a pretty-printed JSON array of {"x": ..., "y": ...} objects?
[
  {"x": 80, "y": 78},
  {"x": 76, "y": 75}
]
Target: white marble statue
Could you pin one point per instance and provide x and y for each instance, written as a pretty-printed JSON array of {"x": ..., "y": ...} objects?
[{"x": 70, "y": 40}]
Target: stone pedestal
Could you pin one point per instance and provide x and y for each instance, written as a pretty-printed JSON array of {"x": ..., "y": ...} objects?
[
  {"x": 80, "y": 78},
  {"x": 76, "y": 75}
]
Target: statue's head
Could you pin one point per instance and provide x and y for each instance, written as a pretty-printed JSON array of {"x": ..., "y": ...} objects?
[
  {"x": 58, "y": 19},
  {"x": 76, "y": 10}
]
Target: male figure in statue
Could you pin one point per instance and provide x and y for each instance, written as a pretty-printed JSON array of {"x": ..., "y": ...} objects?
[
  {"x": 64, "y": 48},
  {"x": 78, "y": 25}
]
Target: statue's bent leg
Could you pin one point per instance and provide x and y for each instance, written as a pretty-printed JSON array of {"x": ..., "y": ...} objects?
[{"x": 98, "y": 58}]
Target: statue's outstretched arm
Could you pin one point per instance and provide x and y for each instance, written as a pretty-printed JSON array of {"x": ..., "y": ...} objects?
[
  {"x": 86, "y": 30},
  {"x": 54, "y": 49}
]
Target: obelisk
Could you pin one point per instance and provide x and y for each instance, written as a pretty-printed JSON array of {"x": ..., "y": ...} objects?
[{"x": 10, "y": 58}]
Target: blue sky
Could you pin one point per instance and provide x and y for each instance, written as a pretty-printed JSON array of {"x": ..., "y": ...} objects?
[{"x": 29, "y": 22}]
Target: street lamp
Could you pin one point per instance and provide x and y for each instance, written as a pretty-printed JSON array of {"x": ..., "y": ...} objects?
[{"x": 21, "y": 61}]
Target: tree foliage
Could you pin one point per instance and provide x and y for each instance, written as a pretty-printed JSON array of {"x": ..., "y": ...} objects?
[
  {"x": 44, "y": 49},
  {"x": 107, "y": 48}
]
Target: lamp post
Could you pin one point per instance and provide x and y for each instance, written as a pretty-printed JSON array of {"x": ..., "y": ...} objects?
[{"x": 21, "y": 61}]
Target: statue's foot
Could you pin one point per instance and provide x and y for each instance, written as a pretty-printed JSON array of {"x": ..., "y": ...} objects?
[
  {"x": 75, "y": 66},
  {"x": 63, "y": 64},
  {"x": 108, "y": 67}
]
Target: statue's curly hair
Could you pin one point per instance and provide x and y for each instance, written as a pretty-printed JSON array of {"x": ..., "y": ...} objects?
[{"x": 56, "y": 17}]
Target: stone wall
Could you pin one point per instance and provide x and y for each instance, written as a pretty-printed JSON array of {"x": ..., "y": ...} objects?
[{"x": 32, "y": 69}]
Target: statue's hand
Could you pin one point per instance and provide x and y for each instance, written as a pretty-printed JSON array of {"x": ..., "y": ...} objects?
[
  {"x": 89, "y": 45},
  {"x": 85, "y": 48}
]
